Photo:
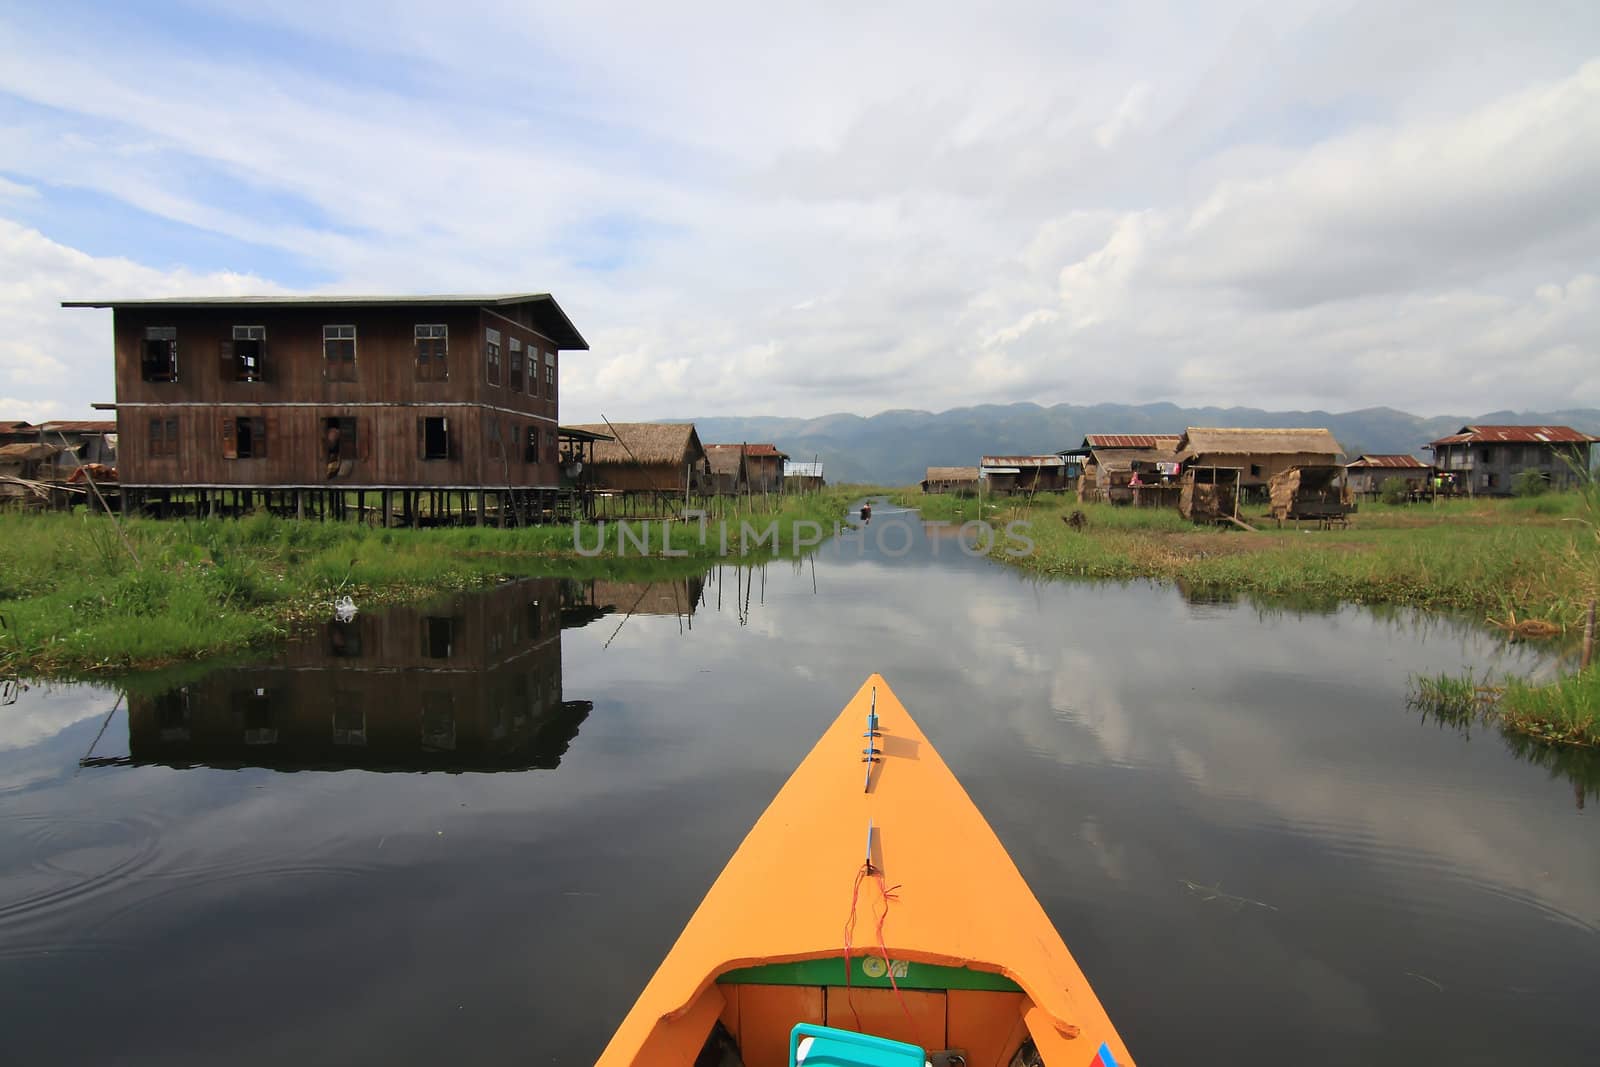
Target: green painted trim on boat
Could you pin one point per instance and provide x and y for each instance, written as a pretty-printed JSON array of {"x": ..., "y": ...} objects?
[{"x": 830, "y": 972}]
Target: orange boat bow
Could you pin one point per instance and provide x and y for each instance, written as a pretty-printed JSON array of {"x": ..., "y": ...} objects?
[{"x": 787, "y": 894}]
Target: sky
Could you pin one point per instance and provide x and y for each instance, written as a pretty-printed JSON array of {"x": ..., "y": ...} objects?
[{"x": 749, "y": 209}]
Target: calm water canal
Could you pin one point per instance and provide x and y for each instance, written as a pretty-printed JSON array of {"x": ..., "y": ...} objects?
[{"x": 1258, "y": 855}]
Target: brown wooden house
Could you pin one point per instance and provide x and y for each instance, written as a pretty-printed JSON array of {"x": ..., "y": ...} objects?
[
  {"x": 300, "y": 393},
  {"x": 746, "y": 468},
  {"x": 1005, "y": 475},
  {"x": 648, "y": 457}
]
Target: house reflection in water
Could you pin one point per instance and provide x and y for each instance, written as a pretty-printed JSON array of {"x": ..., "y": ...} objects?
[
  {"x": 585, "y": 600},
  {"x": 469, "y": 684}
]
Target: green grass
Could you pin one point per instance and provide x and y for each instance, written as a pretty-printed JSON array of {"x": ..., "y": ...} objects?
[
  {"x": 73, "y": 601},
  {"x": 1565, "y": 712},
  {"x": 1508, "y": 561}
]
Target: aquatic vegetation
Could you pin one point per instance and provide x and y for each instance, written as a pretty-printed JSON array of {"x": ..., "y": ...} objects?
[
  {"x": 78, "y": 599},
  {"x": 1515, "y": 559},
  {"x": 1561, "y": 713},
  {"x": 1457, "y": 701}
]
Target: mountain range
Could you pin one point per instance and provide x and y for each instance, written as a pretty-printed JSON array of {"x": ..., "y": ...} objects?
[{"x": 896, "y": 447}]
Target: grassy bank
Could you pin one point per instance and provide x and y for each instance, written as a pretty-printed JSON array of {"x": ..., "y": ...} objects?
[
  {"x": 73, "y": 600},
  {"x": 1528, "y": 565},
  {"x": 1508, "y": 561}
]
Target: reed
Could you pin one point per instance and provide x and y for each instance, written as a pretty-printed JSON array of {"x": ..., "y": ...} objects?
[{"x": 74, "y": 601}]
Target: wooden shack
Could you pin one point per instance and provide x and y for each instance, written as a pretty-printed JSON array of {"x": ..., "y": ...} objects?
[
  {"x": 278, "y": 399},
  {"x": 1009, "y": 475},
  {"x": 961, "y": 481},
  {"x": 648, "y": 457},
  {"x": 472, "y": 683},
  {"x": 1257, "y": 454},
  {"x": 1316, "y": 492},
  {"x": 1111, "y": 460},
  {"x": 746, "y": 468},
  {"x": 803, "y": 477},
  {"x": 1368, "y": 473},
  {"x": 1209, "y": 494}
]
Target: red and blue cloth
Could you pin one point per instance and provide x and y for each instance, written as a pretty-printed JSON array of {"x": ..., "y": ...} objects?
[{"x": 1103, "y": 1058}]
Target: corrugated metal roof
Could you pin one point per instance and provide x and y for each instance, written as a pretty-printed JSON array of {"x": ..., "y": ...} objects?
[
  {"x": 802, "y": 470},
  {"x": 555, "y": 323},
  {"x": 81, "y": 426},
  {"x": 1130, "y": 440},
  {"x": 25, "y": 451},
  {"x": 749, "y": 449},
  {"x": 1528, "y": 435},
  {"x": 1408, "y": 462},
  {"x": 1051, "y": 460}
]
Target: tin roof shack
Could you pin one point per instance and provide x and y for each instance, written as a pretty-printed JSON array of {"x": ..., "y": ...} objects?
[
  {"x": 1258, "y": 454},
  {"x": 1209, "y": 494},
  {"x": 27, "y": 471},
  {"x": 1111, "y": 459},
  {"x": 339, "y": 392},
  {"x": 960, "y": 481},
  {"x": 649, "y": 457},
  {"x": 1488, "y": 458},
  {"x": 1005, "y": 475},
  {"x": 1367, "y": 473},
  {"x": 1314, "y": 492},
  {"x": 746, "y": 468},
  {"x": 91, "y": 440},
  {"x": 17, "y": 432},
  {"x": 473, "y": 684},
  {"x": 802, "y": 477}
]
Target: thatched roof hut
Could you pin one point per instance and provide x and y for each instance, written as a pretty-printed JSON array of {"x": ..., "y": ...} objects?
[
  {"x": 950, "y": 480},
  {"x": 646, "y": 456},
  {"x": 1258, "y": 453}
]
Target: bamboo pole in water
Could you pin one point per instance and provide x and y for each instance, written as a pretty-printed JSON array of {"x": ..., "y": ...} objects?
[{"x": 1588, "y": 638}]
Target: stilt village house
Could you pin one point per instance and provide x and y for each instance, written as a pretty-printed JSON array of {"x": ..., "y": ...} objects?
[
  {"x": 1487, "y": 458},
  {"x": 648, "y": 457},
  {"x": 1258, "y": 454},
  {"x": 746, "y": 468},
  {"x": 339, "y": 392},
  {"x": 1110, "y": 461}
]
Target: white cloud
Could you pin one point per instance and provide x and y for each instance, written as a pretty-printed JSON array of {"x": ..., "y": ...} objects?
[
  {"x": 870, "y": 207},
  {"x": 55, "y": 362}
]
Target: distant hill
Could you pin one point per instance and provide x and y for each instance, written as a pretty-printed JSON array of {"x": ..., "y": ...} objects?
[{"x": 896, "y": 447}]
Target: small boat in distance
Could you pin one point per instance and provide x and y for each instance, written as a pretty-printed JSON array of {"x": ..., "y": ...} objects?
[
  {"x": 866, "y": 511},
  {"x": 870, "y": 917}
]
